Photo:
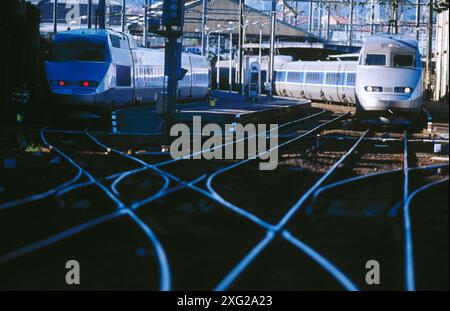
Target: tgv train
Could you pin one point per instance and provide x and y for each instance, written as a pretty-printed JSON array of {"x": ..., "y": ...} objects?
[
  {"x": 389, "y": 77},
  {"x": 386, "y": 81},
  {"x": 332, "y": 81},
  {"x": 98, "y": 70}
]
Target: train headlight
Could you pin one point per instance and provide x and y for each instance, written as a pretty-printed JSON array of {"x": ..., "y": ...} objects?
[
  {"x": 373, "y": 89},
  {"x": 403, "y": 90}
]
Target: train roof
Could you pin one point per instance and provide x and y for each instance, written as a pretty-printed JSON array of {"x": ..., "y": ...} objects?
[
  {"x": 378, "y": 40},
  {"x": 85, "y": 31},
  {"x": 318, "y": 65},
  {"x": 103, "y": 33},
  {"x": 94, "y": 32}
]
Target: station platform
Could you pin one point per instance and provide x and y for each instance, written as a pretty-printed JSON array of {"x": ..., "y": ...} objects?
[{"x": 228, "y": 108}]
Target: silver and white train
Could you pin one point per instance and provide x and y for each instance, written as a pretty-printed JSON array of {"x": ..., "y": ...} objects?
[
  {"x": 389, "y": 78},
  {"x": 386, "y": 81},
  {"x": 99, "y": 70},
  {"x": 332, "y": 81}
]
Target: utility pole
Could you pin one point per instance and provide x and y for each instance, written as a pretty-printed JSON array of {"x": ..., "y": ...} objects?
[
  {"x": 230, "y": 71},
  {"x": 241, "y": 47},
  {"x": 429, "y": 47},
  {"x": 418, "y": 4},
  {"x": 272, "y": 47},
  {"x": 90, "y": 14},
  {"x": 328, "y": 21},
  {"x": 55, "y": 17},
  {"x": 124, "y": 12},
  {"x": 372, "y": 18},
  {"x": 319, "y": 19},
  {"x": 204, "y": 23},
  {"x": 218, "y": 60},
  {"x": 311, "y": 16},
  {"x": 350, "y": 37},
  {"x": 101, "y": 11},
  {"x": 145, "y": 26}
]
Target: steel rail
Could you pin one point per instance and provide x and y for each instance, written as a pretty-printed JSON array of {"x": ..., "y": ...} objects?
[
  {"x": 249, "y": 258},
  {"x": 409, "y": 258},
  {"x": 189, "y": 156},
  {"x": 408, "y": 248},
  {"x": 74, "y": 230},
  {"x": 43, "y": 195},
  {"x": 343, "y": 182},
  {"x": 21, "y": 251},
  {"x": 270, "y": 230},
  {"x": 218, "y": 198},
  {"x": 125, "y": 175},
  {"x": 86, "y": 184},
  {"x": 155, "y": 167},
  {"x": 160, "y": 253}
]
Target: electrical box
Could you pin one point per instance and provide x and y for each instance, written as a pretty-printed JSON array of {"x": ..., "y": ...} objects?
[{"x": 252, "y": 80}]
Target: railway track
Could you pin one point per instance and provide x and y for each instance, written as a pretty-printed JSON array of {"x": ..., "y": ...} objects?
[
  {"x": 121, "y": 209},
  {"x": 91, "y": 180},
  {"x": 369, "y": 213},
  {"x": 185, "y": 192}
]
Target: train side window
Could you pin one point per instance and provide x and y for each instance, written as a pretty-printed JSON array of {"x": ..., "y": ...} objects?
[
  {"x": 375, "y": 60},
  {"x": 351, "y": 78},
  {"x": 313, "y": 78},
  {"x": 403, "y": 60},
  {"x": 280, "y": 76},
  {"x": 300, "y": 77},
  {"x": 333, "y": 78},
  {"x": 295, "y": 77}
]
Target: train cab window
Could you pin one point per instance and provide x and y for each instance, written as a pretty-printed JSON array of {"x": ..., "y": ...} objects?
[
  {"x": 78, "y": 49},
  {"x": 375, "y": 60},
  {"x": 119, "y": 42},
  {"x": 403, "y": 60},
  {"x": 115, "y": 41}
]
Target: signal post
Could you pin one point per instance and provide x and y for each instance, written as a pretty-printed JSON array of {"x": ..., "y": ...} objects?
[{"x": 172, "y": 28}]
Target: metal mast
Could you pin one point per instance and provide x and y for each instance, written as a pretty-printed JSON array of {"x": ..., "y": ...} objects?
[
  {"x": 124, "y": 18},
  {"x": 204, "y": 23},
  {"x": 418, "y": 4},
  {"x": 352, "y": 7},
  {"x": 55, "y": 17},
  {"x": 241, "y": 46},
  {"x": 272, "y": 47}
]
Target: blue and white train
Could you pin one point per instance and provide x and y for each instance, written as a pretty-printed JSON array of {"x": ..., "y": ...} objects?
[
  {"x": 386, "y": 81},
  {"x": 99, "y": 70}
]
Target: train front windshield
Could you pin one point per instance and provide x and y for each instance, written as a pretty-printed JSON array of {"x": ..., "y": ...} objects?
[
  {"x": 403, "y": 61},
  {"x": 79, "y": 49},
  {"x": 376, "y": 60}
]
